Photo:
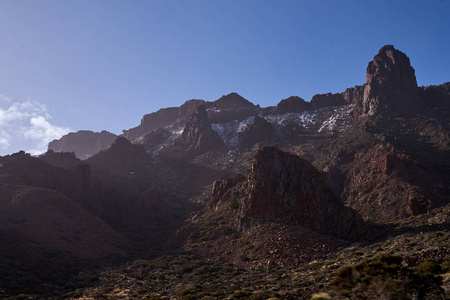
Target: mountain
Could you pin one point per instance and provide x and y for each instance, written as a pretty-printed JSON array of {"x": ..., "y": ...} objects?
[
  {"x": 347, "y": 193},
  {"x": 83, "y": 143}
]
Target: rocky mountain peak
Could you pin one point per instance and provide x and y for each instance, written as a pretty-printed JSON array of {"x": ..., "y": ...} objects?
[
  {"x": 121, "y": 142},
  {"x": 197, "y": 136},
  {"x": 232, "y": 100},
  {"x": 391, "y": 66},
  {"x": 292, "y": 104},
  {"x": 391, "y": 86},
  {"x": 83, "y": 143}
]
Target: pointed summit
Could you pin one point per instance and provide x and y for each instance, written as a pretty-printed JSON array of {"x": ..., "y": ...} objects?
[
  {"x": 232, "y": 100},
  {"x": 197, "y": 136},
  {"x": 391, "y": 86}
]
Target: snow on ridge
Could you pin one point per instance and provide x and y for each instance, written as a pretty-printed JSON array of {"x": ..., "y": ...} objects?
[
  {"x": 229, "y": 132},
  {"x": 305, "y": 119},
  {"x": 339, "y": 120}
]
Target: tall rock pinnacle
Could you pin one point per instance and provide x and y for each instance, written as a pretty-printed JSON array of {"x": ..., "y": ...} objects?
[
  {"x": 197, "y": 136},
  {"x": 391, "y": 86}
]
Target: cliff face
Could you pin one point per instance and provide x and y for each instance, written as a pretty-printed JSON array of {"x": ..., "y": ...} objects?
[
  {"x": 83, "y": 143},
  {"x": 259, "y": 131},
  {"x": 162, "y": 118},
  {"x": 291, "y": 104},
  {"x": 391, "y": 86},
  {"x": 283, "y": 187},
  {"x": 197, "y": 136}
]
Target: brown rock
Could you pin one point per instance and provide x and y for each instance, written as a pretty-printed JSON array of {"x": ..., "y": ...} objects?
[
  {"x": 222, "y": 190},
  {"x": 197, "y": 136},
  {"x": 391, "y": 86},
  {"x": 259, "y": 131},
  {"x": 161, "y": 118},
  {"x": 325, "y": 100},
  {"x": 64, "y": 160},
  {"x": 83, "y": 143},
  {"x": 284, "y": 188},
  {"x": 292, "y": 104}
]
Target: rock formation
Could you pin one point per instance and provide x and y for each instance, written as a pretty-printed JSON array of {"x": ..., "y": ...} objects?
[
  {"x": 259, "y": 131},
  {"x": 162, "y": 118},
  {"x": 391, "y": 86},
  {"x": 64, "y": 160},
  {"x": 282, "y": 187},
  {"x": 83, "y": 143},
  {"x": 326, "y": 100},
  {"x": 292, "y": 104},
  {"x": 232, "y": 100},
  {"x": 197, "y": 136}
]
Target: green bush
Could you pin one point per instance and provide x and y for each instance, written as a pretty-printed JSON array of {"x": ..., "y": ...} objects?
[
  {"x": 430, "y": 266},
  {"x": 234, "y": 203}
]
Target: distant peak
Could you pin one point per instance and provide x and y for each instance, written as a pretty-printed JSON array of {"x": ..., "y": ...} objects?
[
  {"x": 386, "y": 48},
  {"x": 232, "y": 100},
  {"x": 121, "y": 142}
]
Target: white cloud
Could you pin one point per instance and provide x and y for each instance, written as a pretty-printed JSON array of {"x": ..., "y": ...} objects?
[
  {"x": 26, "y": 124},
  {"x": 4, "y": 139},
  {"x": 43, "y": 132},
  {"x": 3, "y": 98}
]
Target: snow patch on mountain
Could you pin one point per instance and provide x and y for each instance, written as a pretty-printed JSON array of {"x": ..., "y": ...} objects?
[
  {"x": 305, "y": 119},
  {"x": 339, "y": 120}
]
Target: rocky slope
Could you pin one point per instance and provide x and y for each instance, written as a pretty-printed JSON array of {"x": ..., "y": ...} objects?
[{"x": 83, "y": 143}]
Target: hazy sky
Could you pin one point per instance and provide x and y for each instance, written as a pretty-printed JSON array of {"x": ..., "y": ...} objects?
[{"x": 72, "y": 65}]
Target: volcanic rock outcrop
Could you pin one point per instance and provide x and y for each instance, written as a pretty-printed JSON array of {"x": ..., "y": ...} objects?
[
  {"x": 197, "y": 136},
  {"x": 83, "y": 143},
  {"x": 325, "y": 100},
  {"x": 162, "y": 118},
  {"x": 285, "y": 188},
  {"x": 66, "y": 160},
  {"x": 258, "y": 131},
  {"x": 291, "y": 104},
  {"x": 391, "y": 86}
]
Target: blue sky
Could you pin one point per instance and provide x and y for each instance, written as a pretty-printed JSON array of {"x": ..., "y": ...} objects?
[{"x": 73, "y": 65}]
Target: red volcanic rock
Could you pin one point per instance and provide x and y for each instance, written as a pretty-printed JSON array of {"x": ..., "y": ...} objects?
[
  {"x": 324, "y": 100},
  {"x": 437, "y": 96},
  {"x": 232, "y": 100},
  {"x": 391, "y": 86},
  {"x": 83, "y": 143},
  {"x": 230, "y": 107},
  {"x": 259, "y": 131},
  {"x": 121, "y": 157},
  {"x": 161, "y": 118},
  {"x": 156, "y": 137},
  {"x": 292, "y": 104},
  {"x": 197, "y": 136},
  {"x": 222, "y": 190},
  {"x": 282, "y": 187},
  {"x": 64, "y": 160},
  {"x": 354, "y": 95}
]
